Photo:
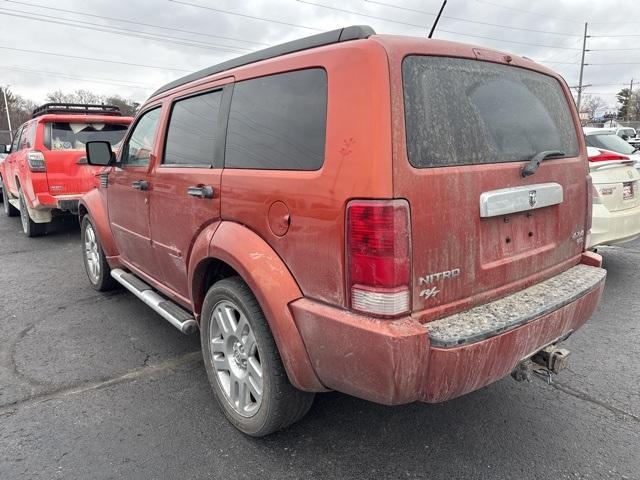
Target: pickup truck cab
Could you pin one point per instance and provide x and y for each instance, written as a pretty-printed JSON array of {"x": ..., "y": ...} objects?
[
  {"x": 46, "y": 171},
  {"x": 312, "y": 209}
]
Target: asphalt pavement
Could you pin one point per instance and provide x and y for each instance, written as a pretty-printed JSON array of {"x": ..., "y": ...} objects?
[{"x": 96, "y": 386}]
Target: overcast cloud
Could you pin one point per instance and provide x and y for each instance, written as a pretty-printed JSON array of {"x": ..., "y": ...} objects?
[{"x": 61, "y": 28}]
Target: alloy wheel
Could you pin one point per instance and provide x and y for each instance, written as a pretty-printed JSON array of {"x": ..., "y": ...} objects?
[
  {"x": 235, "y": 358},
  {"x": 91, "y": 254}
]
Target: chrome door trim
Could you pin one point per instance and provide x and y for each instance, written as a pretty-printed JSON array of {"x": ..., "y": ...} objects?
[{"x": 520, "y": 199}]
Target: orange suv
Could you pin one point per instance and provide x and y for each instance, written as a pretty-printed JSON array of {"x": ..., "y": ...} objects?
[
  {"x": 399, "y": 219},
  {"x": 46, "y": 171}
]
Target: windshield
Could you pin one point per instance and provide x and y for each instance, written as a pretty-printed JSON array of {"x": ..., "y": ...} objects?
[
  {"x": 464, "y": 112},
  {"x": 629, "y": 132},
  {"x": 609, "y": 141},
  {"x": 74, "y": 136}
]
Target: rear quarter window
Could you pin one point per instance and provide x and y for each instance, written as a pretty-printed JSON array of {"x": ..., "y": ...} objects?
[
  {"x": 466, "y": 112},
  {"x": 278, "y": 122}
]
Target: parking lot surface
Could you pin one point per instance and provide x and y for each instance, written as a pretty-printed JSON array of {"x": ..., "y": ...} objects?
[{"x": 99, "y": 386}]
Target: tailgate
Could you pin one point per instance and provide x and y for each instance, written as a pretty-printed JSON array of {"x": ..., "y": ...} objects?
[
  {"x": 479, "y": 229},
  {"x": 67, "y": 170}
]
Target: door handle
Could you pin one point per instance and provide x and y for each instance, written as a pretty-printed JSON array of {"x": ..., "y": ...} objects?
[
  {"x": 204, "y": 191},
  {"x": 140, "y": 185}
]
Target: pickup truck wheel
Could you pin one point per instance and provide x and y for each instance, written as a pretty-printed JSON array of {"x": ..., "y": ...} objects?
[
  {"x": 243, "y": 363},
  {"x": 9, "y": 210},
  {"x": 95, "y": 263},
  {"x": 29, "y": 227}
]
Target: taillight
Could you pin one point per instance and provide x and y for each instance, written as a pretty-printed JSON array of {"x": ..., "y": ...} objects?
[
  {"x": 35, "y": 159},
  {"x": 378, "y": 238},
  {"x": 606, "y": 155}
]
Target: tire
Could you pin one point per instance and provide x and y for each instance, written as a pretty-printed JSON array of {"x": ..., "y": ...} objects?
[
  {"x": 29, "y": 227},
  {"x": 9, "y": 210},
  {"x": 233, "y": 347},
  {"x": 95, "y": 263}
]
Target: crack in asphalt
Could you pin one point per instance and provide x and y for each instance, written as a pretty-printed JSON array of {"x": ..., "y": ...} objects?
[
  {"x": 574, "y": 392},
  {"x": 189, "y": 359}
]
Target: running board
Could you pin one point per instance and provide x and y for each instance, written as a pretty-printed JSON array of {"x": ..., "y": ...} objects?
[{"x": 172, "y": 313}]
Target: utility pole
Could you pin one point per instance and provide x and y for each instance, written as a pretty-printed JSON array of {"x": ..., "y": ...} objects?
[
  {"x": 630, "y": 100},
  {"x": 6, "y": 109},
  {"x": 584, "y": 49}
]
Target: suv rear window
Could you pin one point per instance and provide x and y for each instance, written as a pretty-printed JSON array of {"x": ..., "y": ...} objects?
[
  {"x": 467, "y": 112},
  {"x": 278, "y": 122},
  {"x": 74, "y": 136}
]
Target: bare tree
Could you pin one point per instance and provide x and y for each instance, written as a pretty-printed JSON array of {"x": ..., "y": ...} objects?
[{"x": 591, "y": 104}]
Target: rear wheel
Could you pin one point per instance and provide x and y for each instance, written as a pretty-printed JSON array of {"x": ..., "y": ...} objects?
[
  {"x": 243, "y": 363},
  {"x": 95, "y": 263},
  {"x": 29, "y": 227},
  {"x": 9, "y": 210}
]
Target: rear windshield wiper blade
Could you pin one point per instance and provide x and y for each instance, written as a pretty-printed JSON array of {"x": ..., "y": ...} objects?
[{"x": 531, "y": 167}]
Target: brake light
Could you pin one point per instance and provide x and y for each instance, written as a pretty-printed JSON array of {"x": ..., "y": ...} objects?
[
  {"x": 35, "y": 159},
  {"x": 378, "y": 237},
  {"x": 605, "y": 155}
]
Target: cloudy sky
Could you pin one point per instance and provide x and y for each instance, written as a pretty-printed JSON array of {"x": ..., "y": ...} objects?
[{"x": 130, "y": 47}]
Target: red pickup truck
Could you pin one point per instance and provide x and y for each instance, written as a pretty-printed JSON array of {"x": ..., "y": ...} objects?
[
  {"x": 315, "y": 212},
  {"x": 46, "y": 171}
]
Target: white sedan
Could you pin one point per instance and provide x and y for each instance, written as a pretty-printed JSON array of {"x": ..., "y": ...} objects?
[
  {"x": 616, "y": 198},
  {"x": 607, "y": 139}
]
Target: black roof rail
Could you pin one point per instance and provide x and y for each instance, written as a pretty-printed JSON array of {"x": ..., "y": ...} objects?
[
  {"x": 76, "y": 109},
  {"x": 354, "y": 32}
]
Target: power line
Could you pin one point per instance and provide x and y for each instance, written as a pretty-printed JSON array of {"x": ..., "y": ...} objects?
[
  {"x": 77, "y": 57},
  {"x": 422, "y": 27},
  {"x": 527, "y": 11},
  {"x": 477, "y": 22},
  {"x": 124, "y": 20},
  {"x": 119, "y": 31},
  {"x": 47, "y": 73},
  {"x": 228, "y": 12}
]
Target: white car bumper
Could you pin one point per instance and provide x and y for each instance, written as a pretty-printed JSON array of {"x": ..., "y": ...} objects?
[{"x": 611, "y": 228}]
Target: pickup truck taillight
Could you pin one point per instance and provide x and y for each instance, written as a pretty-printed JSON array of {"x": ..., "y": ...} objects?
[
  {"x": 378, "y": 243},
  {"x": 35, "y": 159}
]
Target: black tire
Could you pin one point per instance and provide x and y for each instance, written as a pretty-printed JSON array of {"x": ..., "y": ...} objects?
[
  {"x": 102, "y": 281},
  {"x": 30, "y": 228},
  {"x": 9, "y": 210},
  {"x": 281, "y": 404}
]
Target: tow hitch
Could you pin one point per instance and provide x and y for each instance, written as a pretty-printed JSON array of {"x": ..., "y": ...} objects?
[{"x": 547, "y": 362}]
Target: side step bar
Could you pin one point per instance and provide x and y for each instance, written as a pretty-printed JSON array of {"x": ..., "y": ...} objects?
[{"x": 172, "y": 313}]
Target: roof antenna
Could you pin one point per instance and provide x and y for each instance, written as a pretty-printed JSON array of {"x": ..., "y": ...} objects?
[{"x": 433, "y": 28}]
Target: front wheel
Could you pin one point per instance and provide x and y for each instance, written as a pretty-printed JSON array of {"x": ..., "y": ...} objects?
[
  {"x": 95, "y": 263},
  {"x": 29, "y": 227},
  {"x": 9, "y": 210},
  {"x": 243, "y": 363}
]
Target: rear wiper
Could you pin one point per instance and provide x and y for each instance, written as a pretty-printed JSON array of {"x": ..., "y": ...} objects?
[{"x": 531, "y": 167}]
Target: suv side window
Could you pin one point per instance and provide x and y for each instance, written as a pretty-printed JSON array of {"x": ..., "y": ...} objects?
[
  {"x": 191, "y": 135},
  {"x": 137, "y": 150},
  {"x": 278, "y": 122},
  {"x": 17, "y": 140},
  {"x": 29, "y": 135}
]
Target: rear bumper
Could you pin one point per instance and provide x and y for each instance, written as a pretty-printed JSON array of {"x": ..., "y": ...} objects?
[
  {"x": 61, "y": 202},
  {"x": 610, "y": 228},
  {"x": 402, "y": 361}
]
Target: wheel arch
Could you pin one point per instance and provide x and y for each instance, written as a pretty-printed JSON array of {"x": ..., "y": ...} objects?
[
  {"x": 93, "y": 204},
  {"x": 236, "y": 250}
]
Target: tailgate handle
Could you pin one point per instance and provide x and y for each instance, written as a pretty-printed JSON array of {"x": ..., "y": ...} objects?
[
  {"x": 200, "y": 191},
  {"x": 140, "y": 185}
]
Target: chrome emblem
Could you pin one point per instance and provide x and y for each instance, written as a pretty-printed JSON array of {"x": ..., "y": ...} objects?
[{"x": 533, "y": 198}]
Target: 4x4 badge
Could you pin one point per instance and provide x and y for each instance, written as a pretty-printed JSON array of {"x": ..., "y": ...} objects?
[{"x": 533, "y": 198}]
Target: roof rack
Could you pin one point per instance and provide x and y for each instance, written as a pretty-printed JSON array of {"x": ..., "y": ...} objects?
[
  {"x": 354, "y": 32},
  {"x": 76, "y": 109}
]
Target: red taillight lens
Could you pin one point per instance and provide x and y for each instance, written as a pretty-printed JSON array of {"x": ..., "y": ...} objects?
[
  {"x": 35, "y": 159},
  {"x": 606, "y": 155},
  {"x": 378, "y": 237}
]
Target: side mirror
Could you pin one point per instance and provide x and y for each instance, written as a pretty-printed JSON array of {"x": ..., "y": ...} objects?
[
  {"x": 4, "y": 148},
  {"x": 625, "y": 137},
  {"x": 100, "y": 153}
]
